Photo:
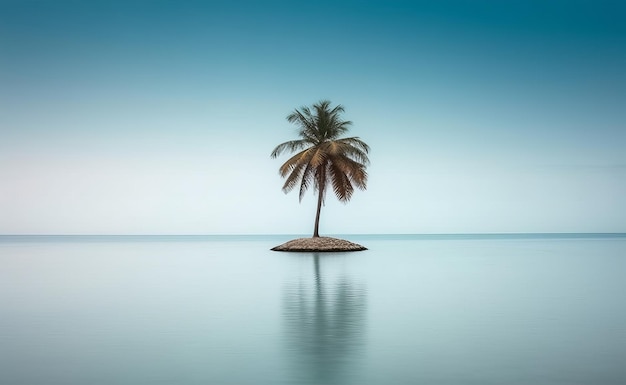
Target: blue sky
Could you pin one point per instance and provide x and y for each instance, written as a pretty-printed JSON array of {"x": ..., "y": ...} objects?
[{"x": 158, "y": 117}]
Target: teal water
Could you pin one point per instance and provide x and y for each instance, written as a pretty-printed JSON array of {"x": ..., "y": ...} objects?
[{"x": 472, "y": 309}]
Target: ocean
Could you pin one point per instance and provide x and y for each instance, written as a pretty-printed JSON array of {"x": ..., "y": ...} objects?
[{"x": 413, "y": 309}]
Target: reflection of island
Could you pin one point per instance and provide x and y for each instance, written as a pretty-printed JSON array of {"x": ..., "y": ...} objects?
[{"x": 324, "y": 327}]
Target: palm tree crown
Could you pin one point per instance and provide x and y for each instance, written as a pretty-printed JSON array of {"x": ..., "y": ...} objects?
[{"x": 323, "y": 157}]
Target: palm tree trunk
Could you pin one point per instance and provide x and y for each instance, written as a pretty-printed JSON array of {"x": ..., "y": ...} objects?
[{"x": 320, "y": 198}]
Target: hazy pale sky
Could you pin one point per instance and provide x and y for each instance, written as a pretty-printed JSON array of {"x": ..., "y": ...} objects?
[{"x": 158, "y": 117}]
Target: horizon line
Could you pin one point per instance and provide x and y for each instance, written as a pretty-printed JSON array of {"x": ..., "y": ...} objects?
[{"x": 308, "y": 235}]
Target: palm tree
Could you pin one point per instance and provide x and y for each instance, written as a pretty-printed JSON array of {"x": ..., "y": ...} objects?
[{"x": 323, "y": 157}]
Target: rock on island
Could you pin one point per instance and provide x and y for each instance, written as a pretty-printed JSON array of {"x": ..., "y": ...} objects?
[{"x": 319, "y": 244}]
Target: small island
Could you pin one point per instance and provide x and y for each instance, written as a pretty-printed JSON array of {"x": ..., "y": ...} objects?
[
  {"x": 323, "y": 158},
  {"x": 322, "y": 244}
]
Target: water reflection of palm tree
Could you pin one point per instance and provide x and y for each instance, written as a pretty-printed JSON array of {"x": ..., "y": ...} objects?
[{"x": 324, "y": 327}]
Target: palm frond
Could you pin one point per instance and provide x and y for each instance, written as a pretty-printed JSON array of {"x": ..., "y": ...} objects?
[
  {"x": 318, "y": 157},
  {"x": 356, "y": 142},
  {"x": 340, "y": 181},
  {"x": 335, "y": 130},
  {"x": 300, "y": 158},
  {"x": 308, "y": 177},
  {"x": 306, "y": 122},
  {"x": 351, "y": 152},
  {"x": 337, "y": 110},
  {"x": 290, "y": 146},
  {"x": 353, "y": 170},
  {"x": 299, "y": 118},
  {"x": 294, "y": 176}
]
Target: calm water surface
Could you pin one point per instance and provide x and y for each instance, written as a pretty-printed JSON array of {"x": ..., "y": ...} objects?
[{"x": 226, "y": 310}]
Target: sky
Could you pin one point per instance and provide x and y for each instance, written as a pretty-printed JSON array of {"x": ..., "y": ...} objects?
[{"x": 159, "y": 117}]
